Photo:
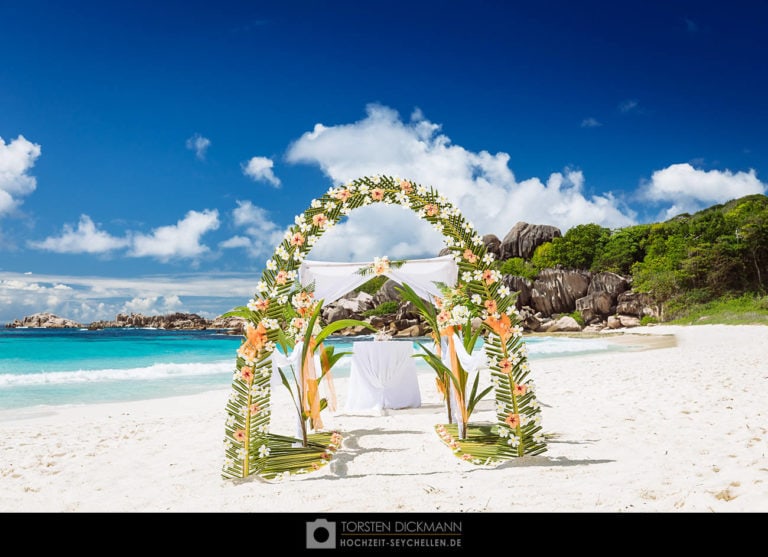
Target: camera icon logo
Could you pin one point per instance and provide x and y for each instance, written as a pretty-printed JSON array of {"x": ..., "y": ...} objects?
[{"x": 321, "y": 534}]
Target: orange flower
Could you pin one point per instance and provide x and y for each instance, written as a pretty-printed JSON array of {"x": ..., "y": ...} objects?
[
  {"x": 247, "y": 374},
  {"x": 470, "y": 256},
  {"x": 282, "y": 277},
  {"x": 512, "y": 420},
  {"x": 520, "y": 390},
  {"x": 488, "y": 276},
  {"x": 255, "y": 409},
  {"x": 431, "y": 209},
  {"x": 466, "y": 456},
  {"x": 319, "y": 220},
  {"x": 297, "y": 239},
  {"x": 406, "y": 186},
  {"x": 239, "y": 435},
  {"x": 490, "y": 305},
  {"x": 377, "y": 194},
  {"x": 315, "y": 466},
  {"x": 343, "y": 195},
  {"x": 256, "y": 339},
  {"x": 438, "y": 302},
  {"x": 500, "y": 326},
  {"x": 505, "y": 366},
  {"x": 262, "y": 304}
]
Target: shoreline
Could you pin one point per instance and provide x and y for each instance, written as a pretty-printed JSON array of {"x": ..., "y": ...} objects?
[{"x": 677, "y": 427}]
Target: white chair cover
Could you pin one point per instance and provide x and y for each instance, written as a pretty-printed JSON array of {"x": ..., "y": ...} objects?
[{"x": 382, "y": 375}]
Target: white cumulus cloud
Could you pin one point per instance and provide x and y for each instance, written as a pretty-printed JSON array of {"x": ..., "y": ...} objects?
[
  {"x": 153, "y": 305},
  {"x": 262, "y": 233},
  {"x": 590, "y": 123},
  {"x": 690, "y": 189},
  {"x": 16, "y": 159},
  {"x": 85, "y": 238},
  {"x": 481, "y": 184},
  {"x": 260, "y": 169},
  {"x": 199, "y": 145},
  {"x": 177, "y": 241}
]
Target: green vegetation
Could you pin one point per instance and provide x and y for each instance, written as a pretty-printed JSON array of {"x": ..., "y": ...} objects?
[
  {"x": 384, "y": 308},
  {"x": 688, "y": 264},
  {"x": 578, "y": 317},
  {"x": 742, "y": 310},
  {"x": 372, "y": 286}
]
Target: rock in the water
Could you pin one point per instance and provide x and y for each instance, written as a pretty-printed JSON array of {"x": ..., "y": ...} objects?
[
  {"x": 492, "y": 245},
  {"x": 556, "y": 290},
  {"x": 45, "y": 320},
  {"x": 523, "y": 239},
  {"x": 566, "y": 324}
]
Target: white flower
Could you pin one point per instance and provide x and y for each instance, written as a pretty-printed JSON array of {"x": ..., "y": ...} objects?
[
  {"x": 233, "y": 397},
  {"x": 363, "y": 188},
  {"x": 230, "y": 421},
  {"x": 421, "y": 190},
  {"x": 273, "y": 293},
  {"x": 269, "y": 347},
  {"x": 261, "y": 287},
  {"x": 281, "y": 253},
  {"x": 241, "y": 453},
  {"x": 292, "y": 275},
  {"x": 460, "y": 314},
  {"x": 477, "y": 240},
  {"x": 345, "y": 209},
  {"x": 252, "y": 305},
  {"x": 457, "y": 258},
  {"x": 329, "y": 205},
  {"x": 534, "y": 404},
  {"x": 270, "y": 323},
  {"x": 500, "y": 407},
  {"x": 537, "y": 420},
  {"x": 531, "y": 386},
  {"x": 312, "y": 239},
  {"x": 466, "y": 276},
  {"x": 298, "y": 255},
  {"x": 538, "y": 437},
  {"x": 271, "y": 265},
  {"x": 305, "y": 226},
  {"x": 476, "y": 298},
  {"x": 376, "y": 179},
  {"x": 263, "y": 451},
  {"x": 503, "y": 432},
  {"x": 282, "y": 299},
  {"x": 442, "y": 200},
  {"x": 228, "y": 463},
  {"x": 298, "y": 219},
  {"x": 263, "y": 429},
  {"x": 503, "y": 291},
  {"x": 488, "y": 258},
  {"x": 316, "y": 204},
  {"x": 367, "y": 200},
  {"x": 478, "y": 274},
  {"x": 468, "y": 226},
  {"x": 513, "y": 441}
]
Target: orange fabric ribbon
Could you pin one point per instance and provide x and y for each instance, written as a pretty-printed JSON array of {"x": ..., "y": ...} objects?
[
  {"x": 325, "y": 362},
  {"x": 311, "y": 400},
  {"x": 255, "y": 340},
  {"x": 449, "y": 331}
]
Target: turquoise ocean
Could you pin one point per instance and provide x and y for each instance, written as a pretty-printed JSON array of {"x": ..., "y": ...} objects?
[{"x": 72, "y": 366}]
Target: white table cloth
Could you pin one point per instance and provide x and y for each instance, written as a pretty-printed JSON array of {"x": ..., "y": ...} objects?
[{"x": 382, "y": 375}]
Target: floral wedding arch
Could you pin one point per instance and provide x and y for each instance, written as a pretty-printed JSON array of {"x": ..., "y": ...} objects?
[{"x": 281, "y": 310}]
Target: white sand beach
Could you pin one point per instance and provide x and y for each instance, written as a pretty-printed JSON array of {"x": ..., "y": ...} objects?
[{"x": 678, "y": 428}]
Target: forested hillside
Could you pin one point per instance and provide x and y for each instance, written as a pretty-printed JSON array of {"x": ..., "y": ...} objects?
[{"x": 719, "y": 252}]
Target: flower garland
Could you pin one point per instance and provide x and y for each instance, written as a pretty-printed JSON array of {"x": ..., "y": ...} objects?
[{"x": 273, "y": 312}]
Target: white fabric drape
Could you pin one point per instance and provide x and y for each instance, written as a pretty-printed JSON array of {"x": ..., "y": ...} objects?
[
  {"x": 333, "y": 280},
  {"x": 382, "y": 375}
]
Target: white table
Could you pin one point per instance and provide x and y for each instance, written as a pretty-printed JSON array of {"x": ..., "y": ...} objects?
[{"x": 382, "y": 375}]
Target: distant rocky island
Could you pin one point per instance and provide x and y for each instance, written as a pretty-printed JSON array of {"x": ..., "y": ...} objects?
[{"x": 171, "y": 321}]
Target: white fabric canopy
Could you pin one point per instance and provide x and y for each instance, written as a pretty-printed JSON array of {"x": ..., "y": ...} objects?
[
  {"x": 333, "y": 280},
  {"x": 382, "y": 375}
]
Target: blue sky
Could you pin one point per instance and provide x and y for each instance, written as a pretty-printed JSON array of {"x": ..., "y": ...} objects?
[{"x": 153, "y": 152}]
